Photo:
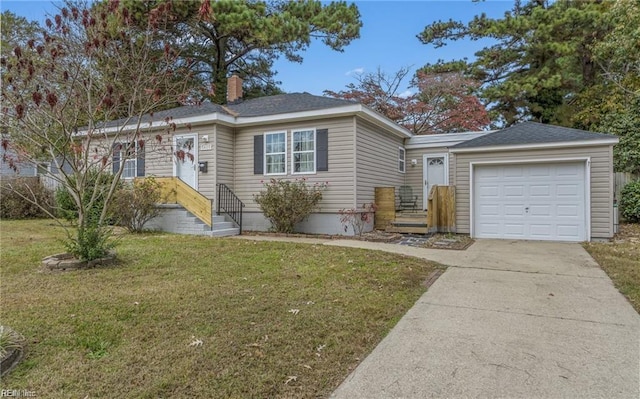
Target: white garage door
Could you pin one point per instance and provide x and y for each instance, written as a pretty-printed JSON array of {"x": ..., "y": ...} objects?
[{"x": 530, "y": 202}]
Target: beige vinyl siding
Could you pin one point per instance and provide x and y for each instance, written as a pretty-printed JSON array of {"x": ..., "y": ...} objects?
[
  {"x": 601, "y": 181},
  {"x": 339, "y": 193},
  {"x": 224, "y": 152},
  {"x": 158, "y": 153},
  {"x": 376, "y": 161},
  {"x": 415, "y": 173}
]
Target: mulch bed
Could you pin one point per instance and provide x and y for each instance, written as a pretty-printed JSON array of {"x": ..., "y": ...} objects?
[
  {"x": 373, "y": 236},
  {"x": 449, "y": 241}
]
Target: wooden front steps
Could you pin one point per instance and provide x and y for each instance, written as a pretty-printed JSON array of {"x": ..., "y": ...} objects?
[{"x": 409, "y": 222}]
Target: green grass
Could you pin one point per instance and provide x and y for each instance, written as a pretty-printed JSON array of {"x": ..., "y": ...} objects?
[
  {"x": 126, "y": 330},
  {"x": 620, "y": 259}
]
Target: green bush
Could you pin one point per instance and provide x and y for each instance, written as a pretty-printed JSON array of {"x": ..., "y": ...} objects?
[
  {"x": 630, "y": 202},
  {"x": 13, "y": 204},
  {"x": 135, "y": 204},
  {"x": 286, "y": 202},
  {"x": 91, "y": 242},
  {"x": 67, "y": 208}
]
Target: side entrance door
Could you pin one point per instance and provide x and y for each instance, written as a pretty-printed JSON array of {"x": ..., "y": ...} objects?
[
  {"x": 434, "y": 173},
  {"x": 185, "y": 159}
]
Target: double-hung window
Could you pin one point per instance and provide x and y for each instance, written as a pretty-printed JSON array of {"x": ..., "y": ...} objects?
[
  {"x": 129, "y": 160},
  {"x": 129, "y": 157},
  {"x": 402, "y": 162},
  {"x": 303, "y": 151},
  {"x": 275, "y": 153}
]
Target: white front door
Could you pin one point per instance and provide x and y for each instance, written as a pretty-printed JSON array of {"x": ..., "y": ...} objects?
[
  {"x": 543, "y": 201},
  {"x": 185, "y": 159},
  {"x": 434, "y": 173}
]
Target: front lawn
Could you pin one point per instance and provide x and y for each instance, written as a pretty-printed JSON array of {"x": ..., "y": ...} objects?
[
  {"x": 620, "y": 259},
  {"x": 184, "y": 316}
]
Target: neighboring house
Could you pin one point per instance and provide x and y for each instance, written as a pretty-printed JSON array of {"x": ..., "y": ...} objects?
[
  {"x": 12, "y": 166},
  {"x": 530, "y": 181}
]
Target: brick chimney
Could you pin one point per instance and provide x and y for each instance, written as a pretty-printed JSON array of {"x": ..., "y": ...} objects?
[{"x": 234, "y": 89}]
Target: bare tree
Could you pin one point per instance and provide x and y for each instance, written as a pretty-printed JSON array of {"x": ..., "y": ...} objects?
[{"x": 86, "y": 67}]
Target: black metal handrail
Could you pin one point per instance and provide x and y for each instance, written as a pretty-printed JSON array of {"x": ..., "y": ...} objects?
[{"x": 230, "y": 204}]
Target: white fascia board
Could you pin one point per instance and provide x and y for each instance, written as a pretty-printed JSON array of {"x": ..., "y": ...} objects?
[
  {"x": 349, "y": 110},
  {"x": 443, "y": 139},
  {"x": 243, "y": 121},
  {"x": 194, "y": 120},
  {"x": 538, "y": 146}
]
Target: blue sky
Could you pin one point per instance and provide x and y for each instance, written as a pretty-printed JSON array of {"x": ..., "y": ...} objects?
[{"x": 387, "y": 40}]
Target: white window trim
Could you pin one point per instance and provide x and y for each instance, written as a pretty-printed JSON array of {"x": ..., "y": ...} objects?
[
  {"x": 315, "y": 152},
  {"x": 124, "y": 159},
  {"x": 264, "y": 153},
  {"x": 404, "y": 160}
]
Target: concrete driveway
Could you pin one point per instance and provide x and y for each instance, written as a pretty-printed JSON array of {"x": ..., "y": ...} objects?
[{"x": 511, "y": 319}]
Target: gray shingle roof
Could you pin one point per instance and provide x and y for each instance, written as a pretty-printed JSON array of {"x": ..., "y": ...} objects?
[
  {"x": 532, "y": 133},
  {"x": 262, "y": 106},
  {"x": 285, "y": 103},
  {"x": 185, "y": 111}
]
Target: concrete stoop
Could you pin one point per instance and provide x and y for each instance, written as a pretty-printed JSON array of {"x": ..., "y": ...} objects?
[{"x": 176, "y": 219}]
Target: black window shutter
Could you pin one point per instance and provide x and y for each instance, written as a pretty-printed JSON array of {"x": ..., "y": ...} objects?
[
  {"x": 116, "y": 157},
  {"x": 322, "y": 150},
  {"x": 258, "y": 155},
  {"x": 140, "y": 160}
]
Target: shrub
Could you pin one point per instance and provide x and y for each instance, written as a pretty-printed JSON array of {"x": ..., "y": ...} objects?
[
  {"x": 67, "y": 208},
  {"x": 357, "y": 218},
  {"x": 286, "y": 202},
  {"x": 630, "y": 202},
  {"x": 135, "y": 204},
  {"x": 13, "y": 192},
  {"x": 91, "y": 242}
]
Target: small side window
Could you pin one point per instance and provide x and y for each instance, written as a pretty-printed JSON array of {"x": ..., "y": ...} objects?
[{"x": 402, "y": 164}]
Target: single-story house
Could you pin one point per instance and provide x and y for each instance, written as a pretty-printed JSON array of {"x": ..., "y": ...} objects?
[{"x": 529, "y": 181}]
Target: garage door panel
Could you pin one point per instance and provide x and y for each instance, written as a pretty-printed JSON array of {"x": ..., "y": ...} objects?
[
  {"x": 513, "y": 172},
  {"x": 514, "y": 229},
  {"x": 567, "y": 210},
  {"x": 513, "y": 191},
  {"x": 490, "y": 210},
  {"x": 540, "y": 211},
  {"x": 540, "y": 171},
  {"x": 489, "y": 229},
  {"x": 540, "y": 191},
  {"x": 530, "y": 201},
  {"x": 568, "y": 190},
  {"x": 513, "y": 210},
  {"x": 543, "y": 230}
]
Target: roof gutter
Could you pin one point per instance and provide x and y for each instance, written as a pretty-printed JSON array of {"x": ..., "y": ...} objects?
[
  {"x": 535, "y": 146},
  {"x": 243, "y": 121}
]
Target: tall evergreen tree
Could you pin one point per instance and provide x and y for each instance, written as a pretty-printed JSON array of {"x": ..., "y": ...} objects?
[
  {"x": 246, "y": 37},
  {"x": 540, "y": 61}
]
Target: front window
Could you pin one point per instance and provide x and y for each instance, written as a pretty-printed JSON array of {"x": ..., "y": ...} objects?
[
  {"x": 402, "y": 160},
  {"x": 275, "y": 153},
  {"x": 129, "y": 161},
  {"x": 304, "y": 151}
]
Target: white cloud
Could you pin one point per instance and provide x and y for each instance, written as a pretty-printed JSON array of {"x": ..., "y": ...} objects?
[
  {"x": 356, "y": 71},
  {"x": 405, "y": 94}
]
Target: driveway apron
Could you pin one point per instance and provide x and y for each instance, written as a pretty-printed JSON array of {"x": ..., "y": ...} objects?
[{"x": 509, "y": 319}]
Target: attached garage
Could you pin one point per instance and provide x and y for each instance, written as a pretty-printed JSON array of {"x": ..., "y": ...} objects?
[
  {"x": 535, "y": 182},
  {"x": 540, "y": 201}
]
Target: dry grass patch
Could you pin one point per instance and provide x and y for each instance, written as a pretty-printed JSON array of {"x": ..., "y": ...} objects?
[
  {"x": 197, "y": 317},
  {"x": 620, "y": 259}
]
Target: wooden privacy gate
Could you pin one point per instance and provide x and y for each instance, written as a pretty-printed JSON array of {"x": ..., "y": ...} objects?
[{"x": 441, "y": 205}]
